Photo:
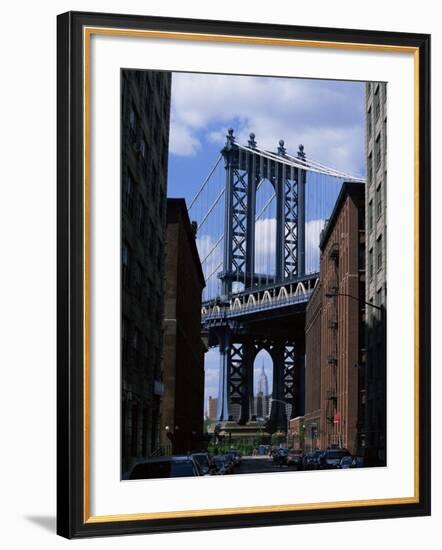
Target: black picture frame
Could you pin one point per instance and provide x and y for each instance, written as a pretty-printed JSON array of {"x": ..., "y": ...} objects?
[{"x": 72, "y": 520}]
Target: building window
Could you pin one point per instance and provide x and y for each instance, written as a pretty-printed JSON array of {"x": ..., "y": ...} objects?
[
  {"x": 128, "y": 194},
  {"x": 136, "y": 346},
  {"x": 369, "y": 125},
  {"x": 125, "y": 260},
  {"x": 145, "y": 431},
  {"x": 133, "y": 123},
  {"x": 377, "y": 103},
  {"x": 138, "y": 281},
  {"x": 379, "y": 297},
  {"x": 124, "y": 337},
  {"x": 370, "y": 263},
  {"x": 143, "y": 148},
  {"x": 370, "y": 215},
  {"x": 154, "y": 184},
  {"x": 134, "y": 431},
  {"x": 370, "y": 168},
  {"x": 157, "y": 121},
  {"x": 379, "y": 201},
  {"x": 379, "y": 252},
  {"x": 152, "y": 241},
  {"x": 362, "y": 256},
  {"x": 377, "y": 151},
  {"x": 141, "y": 217}
]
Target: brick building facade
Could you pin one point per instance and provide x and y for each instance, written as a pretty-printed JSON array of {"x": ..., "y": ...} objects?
[
  {"x": 312, "y": 418},
  {"x": 342, "y": 279},
  {"x": 182, "y": 405}
]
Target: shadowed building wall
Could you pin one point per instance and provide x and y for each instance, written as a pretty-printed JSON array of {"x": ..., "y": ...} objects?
[
  {"x": 182, "y": 406},
  {"x": 145, "y": 111},
  {"x": 373, "y": 422}
]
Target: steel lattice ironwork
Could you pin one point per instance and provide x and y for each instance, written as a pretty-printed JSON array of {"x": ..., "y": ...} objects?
[{"x": 238, "y": 315}]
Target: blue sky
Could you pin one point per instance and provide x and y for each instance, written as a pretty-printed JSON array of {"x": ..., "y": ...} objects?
[{"x": 327, "y": 117}]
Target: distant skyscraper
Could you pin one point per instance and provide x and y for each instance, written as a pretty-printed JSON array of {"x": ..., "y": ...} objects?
[
  {"x": 263, "y": 383},
  {"x": 213, "y": 402},
  {"x": 262, "y": 396}
]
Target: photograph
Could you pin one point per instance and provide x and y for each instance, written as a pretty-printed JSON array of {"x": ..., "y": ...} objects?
[{"x": 253, "y": 274}]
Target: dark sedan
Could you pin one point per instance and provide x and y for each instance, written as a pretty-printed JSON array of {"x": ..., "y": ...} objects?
[{"x": 165, "y": 466}]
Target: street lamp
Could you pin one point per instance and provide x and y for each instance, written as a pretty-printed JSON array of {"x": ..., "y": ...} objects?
[{"x": 333, "y": 294}]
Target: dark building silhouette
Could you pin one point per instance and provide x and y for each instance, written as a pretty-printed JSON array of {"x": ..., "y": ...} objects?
[
  {"x": 342, "y": 340},
  {"x": 182, "y": 405},
  {"x": 373, "y": 420},
  {"x": 145, "y": 113}
]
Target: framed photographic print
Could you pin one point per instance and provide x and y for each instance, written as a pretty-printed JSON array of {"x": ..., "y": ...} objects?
[{"x": 234, "y": 202}]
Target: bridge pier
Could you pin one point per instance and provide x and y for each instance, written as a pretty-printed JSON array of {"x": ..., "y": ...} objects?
[
  {"x": 288, "y": 384},
  {"x": 224, "y": 339},
  {"x": 299, "y": 380}
]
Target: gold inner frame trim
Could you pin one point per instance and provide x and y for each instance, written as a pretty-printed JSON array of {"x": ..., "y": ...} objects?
[{"x": 87, "y": 33}]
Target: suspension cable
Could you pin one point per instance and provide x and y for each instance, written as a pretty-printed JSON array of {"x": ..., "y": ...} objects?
[
  {"x": 213, "y": 248},
  {"x": 205, "y": 182},
  {"x": 211, "y": 208}
]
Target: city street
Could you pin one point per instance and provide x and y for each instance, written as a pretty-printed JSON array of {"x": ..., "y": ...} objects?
[{"x": 259, "y": 465}]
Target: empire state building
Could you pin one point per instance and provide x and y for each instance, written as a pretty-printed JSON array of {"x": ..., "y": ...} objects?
[{"x": 262, "y": 400}]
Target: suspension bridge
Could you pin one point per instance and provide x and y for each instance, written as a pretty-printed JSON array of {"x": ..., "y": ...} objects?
[{"x": 259, "y": 216}]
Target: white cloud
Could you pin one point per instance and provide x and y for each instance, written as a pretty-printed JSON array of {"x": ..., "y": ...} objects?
[
  {"x": 327, "y": 117},
  {"x": 313, "y": 230},
  {"x": 182, "y": 141},
  {"x": 265, "y": 246}
]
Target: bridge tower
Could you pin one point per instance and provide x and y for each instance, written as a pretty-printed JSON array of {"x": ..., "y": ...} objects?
[{"x": 245, "y": 169}]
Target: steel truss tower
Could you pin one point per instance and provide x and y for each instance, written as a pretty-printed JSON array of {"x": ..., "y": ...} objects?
[{"x": 245, "y": 169}]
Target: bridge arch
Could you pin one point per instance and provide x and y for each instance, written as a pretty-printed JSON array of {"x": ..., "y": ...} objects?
[
  {"x": 251, "y": 301},
  {"x": 266, "y": 297},
  {"x": 282, "y": 294},
  {"x": 265, "y": 231},
  {"x": 237, "y": 304},
  {"x": 263, "y": 383}
]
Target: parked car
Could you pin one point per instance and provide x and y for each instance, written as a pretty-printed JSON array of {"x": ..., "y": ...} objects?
[
  {"x": 359, "y": 462},
  {"x": 294, "y": 458},
  {"x": 331, "y": 458},
  {"x": 222, "y": 465},
  {"x": 280, "y": 456},
  {"x": 204, "y": 462},
  {"x": 218, "y": 466},
  {"x": 165, "y": 466},
  {"x": 310, "y": 460},
  {"x": 229, "y": 462},
  {"x": 236, "y": 456},
  {"x": 347, "y": 461}
]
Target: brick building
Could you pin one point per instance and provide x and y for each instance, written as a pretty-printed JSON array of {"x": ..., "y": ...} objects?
[
  {"x": 145, "y": 112},
  {"x": 342, "y": 279},
  {"x": 213, "y": 404},
  {"x": 182, "y": 405},
  {"x": 312, "y": 418}
]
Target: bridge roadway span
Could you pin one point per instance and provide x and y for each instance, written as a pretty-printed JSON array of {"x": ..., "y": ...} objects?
[{"x": 276, "y": 299}]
